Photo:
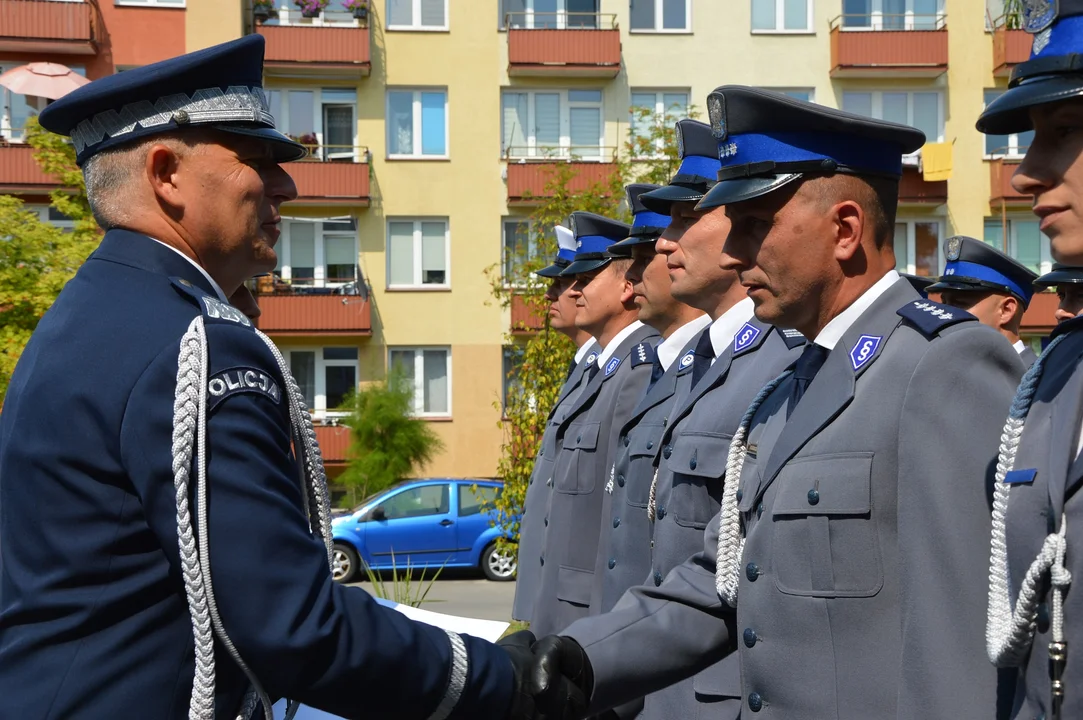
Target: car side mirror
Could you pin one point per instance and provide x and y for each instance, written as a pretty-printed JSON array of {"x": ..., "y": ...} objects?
[{"x": 378, "y": 513}]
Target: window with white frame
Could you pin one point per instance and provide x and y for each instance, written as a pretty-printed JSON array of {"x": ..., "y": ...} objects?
[
  {"x": 1013, "y": 145},
  {"x": 418, "y": 253},
  {"x": 317, "y": 253},
  {"x": 325, "y": 375},
  {"x": 804, "y": 94},
  {"x": 782, "y": 16},
  {"x": 917, "y": 246},
  {"x": 661, "y": 15},
  {"x": 892, "y": 14},
  {"x": 1025, "y": 242},
  {"x": 653, "y": 106},
  {"x": 427, "y": 372},
  {"x": 417, "y": 14},
  {"x": 538, "y": 14},
  {"x": 417, "y": 124},
  {"x": 16, "y": 109},
  {"x": 334, "y": 15},
  {"x": 520, "y": 247},
  {"x": 49, "y": 214},
  {"x": 325, "y": 119},
  {"x": 923, "y": 110},
  {"x": 552, "y": 123}
]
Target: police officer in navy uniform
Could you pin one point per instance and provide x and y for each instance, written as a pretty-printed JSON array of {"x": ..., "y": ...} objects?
[
  {"x": 846, "y": 565},
  {"x": 989, "y": 285},
  {"x": 1035, "y": 618},
  {"x": 1068, "y": 282},
  {"x": 164, "y": 517},
  {"x": 539, "y": 490},
  {"x": 587, "y": 436}
]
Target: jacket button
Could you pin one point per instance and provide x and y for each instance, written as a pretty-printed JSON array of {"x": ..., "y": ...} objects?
[
  {"x": 813, "y": 496},
  {"x": 667, "y": 451},
  {"x": 541, "y": 452},
  {"x": 740, "y": 494},
  {"x": 546, "y": 522},
  {"x": 541, "y": 560},
  {"x": 620, "y": 480},
  {"x": 752, "y": 571},
  {"x": 578, "y": 439},
  {"x": 661, "y": 512},
  {"x": 616, "y": 522},
  {"x": 692, "y": 464},
  {"x": 755, "y": 702},
  {"x": 612, "y": 563},
  {"x": 549, "y": 482},
  {"x": 750, "y": 637},
  {"x": 759, "y": 511},
  {"x": 626, "y": 441},
  {"x": 657, "y": 578}
]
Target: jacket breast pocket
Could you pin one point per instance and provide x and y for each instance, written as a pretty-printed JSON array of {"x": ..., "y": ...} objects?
[
  {"x": 580, "y": 472},
  {"x": 643, "y": 442},
  {"x": 574, "y": 585},
  {"x": 826, "y": 542},
  {"x": 698, "y": 462}
]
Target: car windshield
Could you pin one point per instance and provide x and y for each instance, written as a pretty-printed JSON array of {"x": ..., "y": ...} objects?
[{"x": 368, "y": 500}]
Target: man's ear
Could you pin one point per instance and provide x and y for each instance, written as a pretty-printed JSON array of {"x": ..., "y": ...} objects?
[
  {"x": 849, "y": 221},
  {"x": 162, "y": 167},
  {"x": 1009, "y": 308}
]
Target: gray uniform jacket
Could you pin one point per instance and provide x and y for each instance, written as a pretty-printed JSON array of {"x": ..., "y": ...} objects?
[
  {"x": 863, "y": 580},
  {"x": 690, "y": 477},
  {"x": 624, "y": 551},
  {"x": 586, "y": 439},
  {"x": 1028, "y": 357},
  {"x": 1035, "y": 509},
  {"x": 538, "y": 491}
]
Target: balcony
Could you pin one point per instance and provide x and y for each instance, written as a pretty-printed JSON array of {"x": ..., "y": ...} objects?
[
  {"x": 316, "y": 51},
  {"x": 563, "y": 45},
  {"x": 1001, "y": 191},
  {"x": 299, "y": 310},
  {"x": 528, "y": 182},
  {"x": 1038, "y": 318},
  {"x": 914, "y": 190},
  {"x": 20, "y": 172},
  {"x": 47, "y": 26},
  {"x": 1010, "y": 47},
  {"x": 889, "y": 46},
  {"x": 334, "y": 440},
  {"x": 332, "y": 175},
  {"x": 523, "y": 320}
]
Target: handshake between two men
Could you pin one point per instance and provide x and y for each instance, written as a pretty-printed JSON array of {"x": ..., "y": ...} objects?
[{"x": 553, "y": 678}]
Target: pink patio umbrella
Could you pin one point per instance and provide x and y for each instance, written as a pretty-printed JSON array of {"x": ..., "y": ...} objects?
[{"x": 44, "y": 79}]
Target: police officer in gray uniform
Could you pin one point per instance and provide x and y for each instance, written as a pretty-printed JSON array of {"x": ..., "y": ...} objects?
[
  {"x": 846, "y": 563},
  {"x": 587, "y": 435},
  {"x": 989, "y": 285},
  {"x": 539, "y": 489},
  {"x": 624, "y": 550},
  {"x": 1035, "y": 617},
  {"x": 1068, "y": 282}
]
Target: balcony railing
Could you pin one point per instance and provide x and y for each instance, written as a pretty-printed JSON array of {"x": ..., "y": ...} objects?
[
  {"x": 915, "y": 190},
  {"x": 552, "y": 153},
  {"x": 523, "y": 320},
  {"x": 563, "y": 44},
  {"x": 1010, "y": 47},
  {"x": 877, "y": 45},
  {"x": 294, "y": 309},
  {"x": 336, "y": 174},
  {"x": 528, "y": 181},
  {"x": 334, "y": 441},
  {"x": 316, "y": 50},
  {"x": 46, "y": 26},
  {"x": 1001, "y": 191},
  {"x": 20, "y": 172}
]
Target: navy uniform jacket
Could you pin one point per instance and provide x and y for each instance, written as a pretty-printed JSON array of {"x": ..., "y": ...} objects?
[
  {"x": 586, "y": 438},
  {"x": 539, "y": 490},
  {"x": 93, "y": 617},
  {"x": 1036, "y": 508},
  {"x": 866, "y": 516}
]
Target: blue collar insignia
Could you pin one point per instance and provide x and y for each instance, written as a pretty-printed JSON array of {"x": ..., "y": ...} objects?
[
  {"x": 864, "y": 350},
  {"x": 611, "y": 366},
  {"x": 745, "y": 337}
]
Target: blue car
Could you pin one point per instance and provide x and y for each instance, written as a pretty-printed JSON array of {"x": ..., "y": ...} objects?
[{"x": 433, "y": 523}]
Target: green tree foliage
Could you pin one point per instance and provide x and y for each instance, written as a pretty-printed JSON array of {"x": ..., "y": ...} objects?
[
  {"x": 38, "y": 258},
  {"x": 542, "y": 357},
  {"x": 387, "y": 443}
]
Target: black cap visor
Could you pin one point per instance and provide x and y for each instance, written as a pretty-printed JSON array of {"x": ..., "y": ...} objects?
[
  {"x": 738, "y": 190},
  {"x": 963, "y": 284},
  {"x": 586, "y": 264},
  {"x": 284, "y": 149},
  {"x": 1063, "y": 276},
  {"x": 1010, "y": 113},
  {"x": 552, "y": 271},
  {"x": 661, "y": 200},
  {"x": 624, "y": 247}
]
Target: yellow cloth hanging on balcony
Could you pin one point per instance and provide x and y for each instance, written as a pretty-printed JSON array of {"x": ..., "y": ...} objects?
[{"x": 936, "y": 161}]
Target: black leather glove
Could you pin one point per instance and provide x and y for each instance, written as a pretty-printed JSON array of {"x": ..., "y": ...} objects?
[
  {"x": 518, "y": 646},
  {"x": 564, "y": 679}
]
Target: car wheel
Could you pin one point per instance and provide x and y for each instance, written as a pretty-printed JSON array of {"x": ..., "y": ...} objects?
[
  {"x": 498, "y": 565},
  {"x": 345, "y": 564}
]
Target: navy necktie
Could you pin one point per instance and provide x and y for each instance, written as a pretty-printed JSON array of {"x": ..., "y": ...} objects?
[
  {"x": 592, "y": 370},
  {"x": 810, "y": 362},
  {"x": 572, "y": 364},
  {"x": 704, "y": 355},
  {"x": 657, "y": 371}
]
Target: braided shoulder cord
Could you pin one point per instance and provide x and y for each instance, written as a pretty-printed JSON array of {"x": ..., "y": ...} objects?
[
  {"x": 731, "y": 542},
  {"x": 1009, "y": 632}
]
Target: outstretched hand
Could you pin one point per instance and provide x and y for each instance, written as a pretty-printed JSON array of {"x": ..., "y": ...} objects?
[{"x": 553, "y": 678}]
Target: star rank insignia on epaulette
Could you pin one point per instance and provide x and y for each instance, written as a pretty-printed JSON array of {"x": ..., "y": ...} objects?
[
  {"x": 931, "y": 317},
  {"x": 643, "y": 354}
]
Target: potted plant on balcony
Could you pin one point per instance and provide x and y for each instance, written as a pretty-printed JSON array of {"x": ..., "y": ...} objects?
[
  {"x": 310, "y": 141},
  {"x": 311, "y": 8},
  {"x": 264, "y": 9},
  {"x": 359, "y": 8}
]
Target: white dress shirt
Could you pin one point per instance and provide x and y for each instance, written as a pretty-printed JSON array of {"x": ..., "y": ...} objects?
[
  {"x": 837, "y": 327},
  {"x": 670, "y": 347},
  {"x": 617, "y": 340},
  {"x": 1019, "y": 346},
  {"x": 197, "y": 266},
  {"x": 584, "y": 349},
  {"x": 725, "y": 328}
]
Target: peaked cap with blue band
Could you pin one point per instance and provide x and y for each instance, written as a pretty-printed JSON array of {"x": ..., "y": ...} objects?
[
  {"x": 919, "y": 283},
  {"x": 766, "y": 140},
  {"x": 973, "y": 265},
  {"x": 565, "y": 253},
  {"x": 1060, "y": 275},
  {"x": 1054, "y": 71},
  {"x": 646, "y": 224},
  {"x": 594, "y": 235},
  {"x": 699, "y": 164},
  {"x": 220, "y": 87}
]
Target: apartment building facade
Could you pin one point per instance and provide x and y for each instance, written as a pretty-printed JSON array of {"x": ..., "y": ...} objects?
[{"x": 432, "y": 124}]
